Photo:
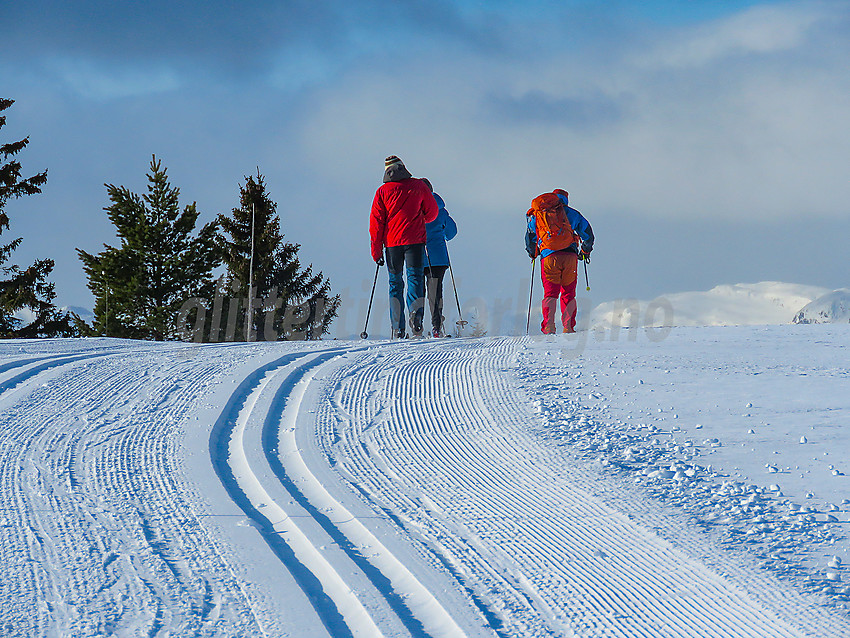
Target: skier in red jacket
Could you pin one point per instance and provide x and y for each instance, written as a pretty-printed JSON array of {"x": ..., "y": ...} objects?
[{"x": 400, "y": 210}]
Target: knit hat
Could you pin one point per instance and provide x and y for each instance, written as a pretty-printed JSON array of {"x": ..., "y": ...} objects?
[{"x": 394, "y": 170}]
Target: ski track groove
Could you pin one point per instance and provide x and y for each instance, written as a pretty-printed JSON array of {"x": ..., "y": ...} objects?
[
  {"x": 418, "y": 441},
  {"x": 270, "y": 400},
  {"x": 227, "y": 451},
  {"x": 272, "y": 441},
  {"x": 82, "y": 568}
]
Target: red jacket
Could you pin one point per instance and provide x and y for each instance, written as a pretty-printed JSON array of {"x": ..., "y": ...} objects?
[{"x": 400, "y": 211}]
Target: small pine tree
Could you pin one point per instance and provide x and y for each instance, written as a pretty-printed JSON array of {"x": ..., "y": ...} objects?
[
  {"x": 141, "y": 286},
  {"x": 25, "y": 289},
  {"x": 292, "y": 302},
  {"x": 479, "y": 329}
]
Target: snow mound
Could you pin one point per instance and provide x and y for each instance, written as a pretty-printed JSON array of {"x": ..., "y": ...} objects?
[
  {"x": 764, "y": 303},
  {"x": 833, "y": 307}
]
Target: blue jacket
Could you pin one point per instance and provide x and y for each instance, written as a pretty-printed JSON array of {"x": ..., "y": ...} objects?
[
  {"x": 580, "y": 226},
  {"x": 438, "y": 232}
]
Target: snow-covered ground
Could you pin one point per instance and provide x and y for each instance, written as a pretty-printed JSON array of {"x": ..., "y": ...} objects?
[{"x": 685, "y": 482}]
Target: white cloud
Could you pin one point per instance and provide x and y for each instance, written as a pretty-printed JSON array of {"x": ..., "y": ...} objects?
[
  {"x": 760, "y": 30},
  {"x": 102, "y": 81},
  {"x": 757, "y": 140}
]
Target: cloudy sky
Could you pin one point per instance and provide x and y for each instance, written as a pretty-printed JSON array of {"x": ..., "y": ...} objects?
[{"x": 706, "y": 141}]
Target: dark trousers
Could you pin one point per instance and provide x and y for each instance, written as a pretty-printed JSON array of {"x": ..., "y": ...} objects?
[
  {"x": 408, "y": 258},
  {"x": 434, "y": 280}
]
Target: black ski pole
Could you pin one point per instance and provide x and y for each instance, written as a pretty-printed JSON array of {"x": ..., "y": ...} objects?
[
  {"x": 530, "y": 294},
  {"x": 428, "y": 292},
  {"x": 364, "y": 334},
  {"x": 586, "y": 280},
  {"x": 460, "y": 322}
]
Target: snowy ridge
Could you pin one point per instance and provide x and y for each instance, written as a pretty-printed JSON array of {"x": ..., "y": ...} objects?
[
  {"x": 833, "y": 307},
  {"x": 768, "y": 302}
]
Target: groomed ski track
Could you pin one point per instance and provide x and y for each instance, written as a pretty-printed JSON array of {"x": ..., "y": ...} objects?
[{"x": 330, "y": 488}]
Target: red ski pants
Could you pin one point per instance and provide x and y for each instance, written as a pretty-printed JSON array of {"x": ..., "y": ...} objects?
[{"x": 559, "y": 272}]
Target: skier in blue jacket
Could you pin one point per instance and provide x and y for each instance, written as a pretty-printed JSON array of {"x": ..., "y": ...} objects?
[{"x": 438, "y": 232}]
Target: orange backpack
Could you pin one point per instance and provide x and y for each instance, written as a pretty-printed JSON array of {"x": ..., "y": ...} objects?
[{"x": 554, "y": 231}]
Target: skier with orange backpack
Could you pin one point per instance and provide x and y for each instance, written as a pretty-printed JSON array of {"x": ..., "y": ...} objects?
[{"x": 561, "y": 236}]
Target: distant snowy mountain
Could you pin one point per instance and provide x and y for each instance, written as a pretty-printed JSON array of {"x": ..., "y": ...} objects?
[
  {"x": 27, "y": 316},
  {"x": 833, "y": 307},
  {"x": 83, "y": 313},
  {"x": 764, "y": 303}
]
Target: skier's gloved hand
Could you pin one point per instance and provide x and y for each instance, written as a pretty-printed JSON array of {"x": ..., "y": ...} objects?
[
  {"x": 530, "y": 244},
  {"x": 584, "y": 257},
  {"x": 380, "y": 262}
]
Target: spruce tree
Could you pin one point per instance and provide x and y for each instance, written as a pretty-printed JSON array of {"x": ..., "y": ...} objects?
[
  {"x": 290, "y": 302},
  {"x": 160, "y": 265},
  {"x": 25, "y": 289}
]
